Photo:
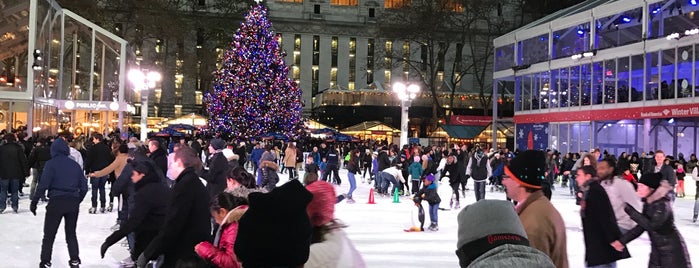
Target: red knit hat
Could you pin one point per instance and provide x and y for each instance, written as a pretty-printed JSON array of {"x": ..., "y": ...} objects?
[{"x": 321, "y": 210}]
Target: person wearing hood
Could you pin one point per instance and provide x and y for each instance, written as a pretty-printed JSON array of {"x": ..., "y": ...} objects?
[
  {"x": 490, "y": 235},
  {"x": 480, "y": 170},
  {"x": 218, "y": 164},
  {"x": 188, "y": 220},
  {"x": 67, "y": 186},
  {"x": 148, "y": 211},
  {"x": 667, "y": 245}
]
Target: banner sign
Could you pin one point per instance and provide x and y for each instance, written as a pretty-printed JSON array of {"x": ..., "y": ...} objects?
[
  {"x": 680, "y": 110},
  {"x": 532, "y": 136},
  {"x": 470, "y": 120}
]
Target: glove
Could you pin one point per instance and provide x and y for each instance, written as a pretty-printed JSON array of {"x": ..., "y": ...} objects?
[
  {"x": 32, "y": 207},
  {"x": 142, "y": 261}
]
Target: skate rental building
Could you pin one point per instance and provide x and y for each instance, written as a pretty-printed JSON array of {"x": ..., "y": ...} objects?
[
  {"x": 618, "y": 75},
  {"x": 59, "y": 71}
]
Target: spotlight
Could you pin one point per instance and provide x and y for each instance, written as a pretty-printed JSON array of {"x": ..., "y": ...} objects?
[
  {"x": 671, "y": 121},
  {"x": 693, "y": 2},
  {"x": 36, "y": 67},
  {"x": 581, "y": 32},
  {"x": 626, "y": 19}
]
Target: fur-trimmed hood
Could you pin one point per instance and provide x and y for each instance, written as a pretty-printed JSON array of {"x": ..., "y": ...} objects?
[
  {"x": 659, "y": 193},
  {"x": 230, "y": 155},
  {"x": 234, "y": 215}
]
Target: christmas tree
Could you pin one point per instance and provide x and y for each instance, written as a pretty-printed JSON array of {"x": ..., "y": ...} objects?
[{"x": 252, "y": 94}]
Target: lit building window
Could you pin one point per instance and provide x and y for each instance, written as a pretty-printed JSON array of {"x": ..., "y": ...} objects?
[
  {"x": 297, "y": 50},
  {"x": 198, "y": 97},
  {"x": 440, "y": 56},
  {"x": 158, "y": 94},
  {"x": 333, "y": 76},
  {"x": 370, "y": 62},
  {"x": 279, "y": 39},
  {"x": 333, "y": 51},
  {"x": 296, "y": 72},
  {"x": 453, "y": 6},
  {"x": 344, "y": 2},
  {"x": 178, "y": 110},
  {"x": 316, "y": 50},
  {"x": 396, "y": 3},
  {"x": 406, "y": 59},
  {"x": 388, "y": 62},
  {"x": 352, "y": 62}
]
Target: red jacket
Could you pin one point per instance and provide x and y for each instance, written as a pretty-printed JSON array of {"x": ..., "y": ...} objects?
[{"x": 223, "y": 256}]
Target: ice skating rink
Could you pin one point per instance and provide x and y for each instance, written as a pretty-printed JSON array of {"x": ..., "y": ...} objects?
[{"x": 375, "y": 229}]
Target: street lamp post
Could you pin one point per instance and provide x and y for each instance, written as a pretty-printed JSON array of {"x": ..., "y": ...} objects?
[
  {"x": 143, "y": 81},
  {"x": 405, "y": 93}
]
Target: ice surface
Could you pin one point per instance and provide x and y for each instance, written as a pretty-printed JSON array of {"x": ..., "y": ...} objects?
[{"x": 376, "y": 230}]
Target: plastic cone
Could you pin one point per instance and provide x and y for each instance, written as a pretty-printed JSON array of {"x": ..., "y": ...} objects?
[
  {"x": 371, "y": 196},
  {"x": 396, "y": 199}
]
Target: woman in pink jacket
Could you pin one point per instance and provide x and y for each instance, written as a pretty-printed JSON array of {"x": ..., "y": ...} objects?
[{"x": 226, "y": 209}]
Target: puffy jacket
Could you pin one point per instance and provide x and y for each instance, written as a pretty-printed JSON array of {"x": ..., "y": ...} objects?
[
  {"x": 149, "y": 206},
  {"x": 428, "y": 194},
  {"x": 667, "y": 245},
  {"x": 13, "y": 162},
  {"x": 62, "y": 177},
  {"x": 415, "y": 170},
  {"x": 222, "y": 255}
]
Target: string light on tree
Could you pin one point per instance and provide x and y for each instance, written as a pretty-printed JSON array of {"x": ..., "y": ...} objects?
[{"x": 253, "y": 94}]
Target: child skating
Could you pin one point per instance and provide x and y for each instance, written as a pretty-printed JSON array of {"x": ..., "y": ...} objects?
[{"x": 429, "y": 193}]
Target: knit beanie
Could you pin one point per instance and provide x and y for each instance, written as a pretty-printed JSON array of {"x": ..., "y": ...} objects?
[
  {"x": 485, "y": 225},
  {"x": 218, "y": 144},
  {"x": 528, "y": 168},
  {"x": 321, "y": 210},
  {"x": 651, "y": 180},
  {"x": 275, "y": 230}
]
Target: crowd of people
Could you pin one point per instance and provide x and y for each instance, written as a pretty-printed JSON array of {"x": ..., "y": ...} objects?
[{"x": 211, "y": 202}]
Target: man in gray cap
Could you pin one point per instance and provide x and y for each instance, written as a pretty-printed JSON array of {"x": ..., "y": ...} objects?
[
  {"x": 490, "y": 235},
  {"x": 217, "y": 164}
]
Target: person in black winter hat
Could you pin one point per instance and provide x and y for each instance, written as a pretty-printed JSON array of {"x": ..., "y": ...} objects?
[{"x": 275, "y": 231}]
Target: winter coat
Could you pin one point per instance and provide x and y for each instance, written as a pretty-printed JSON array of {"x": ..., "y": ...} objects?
[
  {"x": 256, "y": 155},
  {"x": 545, "y": 228},
  {"x": 668, "y": 174},
  {"x": 116, "y": 166},
  {"x": 222, "y": 254},
  {"x": 98, "y": 157},
  {"x": 415, "y": 170},
  {"x": 160, "y": 158},
  {"x": 216, "y": 176},
  {"x": 39, "y": 156},
  {"x": 13, "y": 162},
  {"x": 567, "y": 164},
  {"x": 428, "y": 194},
  {"x": 336, "y": 251},
  {"x": 62, "y": 177},
  {"x": 510, "y": 255},
  {"x": 600, "y": 227},
  {"x": 289, "y": 157},
  {"x": 452, "y": 172},
  {"x": 188, "y": 221},
  {"x": 232, "y": 158},
  {"x": 332, "y": 157},
  {"x": 312, "y": 168},
  {"x": 353, "y": 165},
  {"x": 479, "y": 168},
  {"x": 620, "y": 192},
  {"x": 374, "y": 165},
  {"x": 667, "y": 245},
  {"x": 150, "y": 204},
  {"x": 383, "y": 161}
]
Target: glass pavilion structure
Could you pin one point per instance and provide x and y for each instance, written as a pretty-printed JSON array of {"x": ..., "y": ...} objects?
[
  {"x": 58, "y": 71},
  {"x": 620, "y": 75}
]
